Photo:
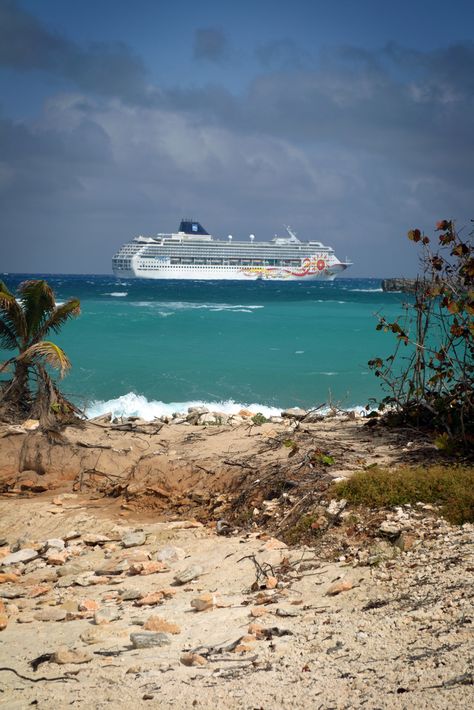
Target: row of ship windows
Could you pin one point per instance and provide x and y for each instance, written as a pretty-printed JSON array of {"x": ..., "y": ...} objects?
[{"x": 177, "y": 261}]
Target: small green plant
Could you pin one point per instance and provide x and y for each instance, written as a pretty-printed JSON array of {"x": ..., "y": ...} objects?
[
  {"x": 259, "y": 419},
  {"x": 322, "y": 458},
  {"x": 450, "y": 487},
  {"x": 292, "y": 445},
  {"x": 430, "y": 375}
]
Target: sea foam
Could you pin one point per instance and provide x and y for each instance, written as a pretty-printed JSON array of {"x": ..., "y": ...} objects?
[{"x": 136, "y": 405}]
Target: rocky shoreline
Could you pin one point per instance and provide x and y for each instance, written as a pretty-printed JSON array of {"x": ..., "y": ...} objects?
[{"x": 161, "y": 564}]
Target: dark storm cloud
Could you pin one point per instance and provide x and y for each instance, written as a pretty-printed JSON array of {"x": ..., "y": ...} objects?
[
  {"x": 210, "y": 43},
  {"x": 366, "y": 142},
  {"x": 107, "y": 69}
]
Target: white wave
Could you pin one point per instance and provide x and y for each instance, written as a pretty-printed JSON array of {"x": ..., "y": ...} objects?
[
  {"x": 299, "y": 352},
  {"x": 187, "y": 305},
  {"x": 116, "y": 294},
  {"x": 136, "y": 405},
  {"x": 366, "y": 290}
]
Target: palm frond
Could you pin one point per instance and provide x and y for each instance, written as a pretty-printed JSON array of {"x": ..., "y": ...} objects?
[
  {"x": 4, "y": 366},
  {"x": 49, "y": 353},
  {"x": 38, "y": 303},
  {"x": 11, "y": 315},
  {"x": 61, "y": 314},
  {"x": 8, "y": 339}
]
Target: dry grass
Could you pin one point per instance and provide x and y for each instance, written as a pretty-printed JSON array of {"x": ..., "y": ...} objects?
[{"x": 449, "y": 487}]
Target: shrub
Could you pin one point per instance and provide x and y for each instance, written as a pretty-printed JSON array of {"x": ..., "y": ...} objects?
[
  {"x": 450, "y": 487},
  {"x": 429, "y": 376}
]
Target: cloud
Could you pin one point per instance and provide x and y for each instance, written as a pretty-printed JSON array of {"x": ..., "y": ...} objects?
[
  {"x": 210, "y": 43},
  {"x": 364, "y": 144},
  {"x": 108, "y": 69}
]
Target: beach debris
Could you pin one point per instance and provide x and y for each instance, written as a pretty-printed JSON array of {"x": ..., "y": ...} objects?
[
  {"x": 143, "y": 639},
  {"x": 188, "y": 574}
]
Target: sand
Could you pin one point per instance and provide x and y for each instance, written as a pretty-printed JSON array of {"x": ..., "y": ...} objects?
[{"x": 396, "y": 634}]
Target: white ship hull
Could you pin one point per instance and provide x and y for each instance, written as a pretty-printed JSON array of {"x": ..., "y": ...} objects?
[
  {"x": 194, "y": 255},
  {"x": 191, "y": 273}
]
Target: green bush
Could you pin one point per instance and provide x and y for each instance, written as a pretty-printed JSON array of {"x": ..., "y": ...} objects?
[{"x": 450, "y": 487}]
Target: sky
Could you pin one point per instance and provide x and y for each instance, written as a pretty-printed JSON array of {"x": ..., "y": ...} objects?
[{"x": 350, "y": 121}]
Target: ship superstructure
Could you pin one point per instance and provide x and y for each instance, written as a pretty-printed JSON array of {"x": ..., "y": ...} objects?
[{"x": 192, "y": 253}]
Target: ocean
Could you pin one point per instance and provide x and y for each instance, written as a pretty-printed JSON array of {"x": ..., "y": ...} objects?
[{"x": 147, "y": 348}]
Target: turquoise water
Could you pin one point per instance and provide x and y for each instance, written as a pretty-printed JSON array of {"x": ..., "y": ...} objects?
[{"x": 161, "y": 345}]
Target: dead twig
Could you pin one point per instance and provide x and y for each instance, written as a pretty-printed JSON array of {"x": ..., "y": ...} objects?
[{"x": 60, "y": 678}]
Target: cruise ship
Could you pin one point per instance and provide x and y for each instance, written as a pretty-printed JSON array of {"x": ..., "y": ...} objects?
[{"x": 192, "y": 253}]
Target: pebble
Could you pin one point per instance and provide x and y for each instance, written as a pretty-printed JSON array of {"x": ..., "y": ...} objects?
[
  {"x": 342, "y": 585},
  {"x": 70, "y": 655},
  {"x": 143, "y": 639},
  {"x": 148, "y": 567},
  {"x": 8, "y": 577},
  {"x": 55, "y": 544},
  {"x": 134, "y": 539},
  {"x": 157, "y": 623},
  {"x": 105, "y": 615},
  {"x": 193, "y": 659},
  {"x": 52, "y": 614},
  {"x": 129, "y": 595},
  {"x": 13, "y": 558},
  {"x": 96, "y": 539},
  {"x": 150, "y": 599},
  {"x": 92, "y": 635},
  {"x": 88, "y": 605},
  {"x": 170, "y": 554},
  {"x": 204, "y": 602},
  {"x": 390, "y": 529},
  {"x": 188, "y": 574}
]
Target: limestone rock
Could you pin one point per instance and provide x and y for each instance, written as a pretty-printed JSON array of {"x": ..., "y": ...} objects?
[
  {"x": 144, "y": 639},
  {"x": 204, "y": 602},
  {"x": 70, "y": 655},
  {"x": 187, "y": 575},
  {"x": 294, "y": 413},
  {"x": 105, "y": 615},
  {"x": 390, "y": 529},
  {"x": 51, "y": 614},
  {"x": 88, "y": 605},
  {"x": 134, "y": 539},
  {"x": 170, "y": 553},
  {"x": 193, "y": 659},
  {"x": 14, "y": 558},
  {"x": 342, "y": 585},
  {"x": 157, "y": 623}
]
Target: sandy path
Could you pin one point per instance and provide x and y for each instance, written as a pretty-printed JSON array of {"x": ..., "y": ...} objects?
[{"x": 410, "y": 650}]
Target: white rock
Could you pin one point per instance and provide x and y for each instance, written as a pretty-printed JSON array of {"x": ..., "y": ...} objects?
[{"x": 24, "y": 555}]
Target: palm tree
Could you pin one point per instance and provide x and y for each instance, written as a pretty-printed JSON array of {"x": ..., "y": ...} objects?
[{"x": 24, "y": 325}]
